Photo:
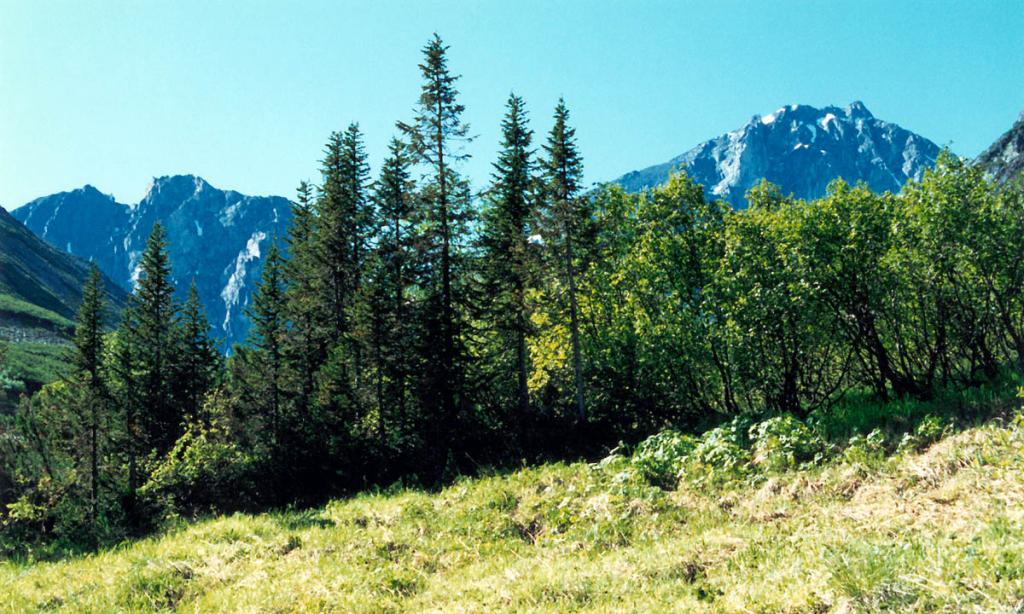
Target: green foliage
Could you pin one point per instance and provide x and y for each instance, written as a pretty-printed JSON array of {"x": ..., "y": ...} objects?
[
  {"x": 928, "y": 431},
  {"x": 783, "y": 443},
  {"x": 35, "y": 364},
  {"x": 12, "y": 305},
  {"x": 866, "y": 451},
  {"x": 661, "y": 457},
  {"x": 722, "y": 455},
  {"x": 205, "y": 471}
]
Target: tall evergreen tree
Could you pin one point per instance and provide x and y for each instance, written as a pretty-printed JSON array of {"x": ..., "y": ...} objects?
[
  {"x": 306, "y": 345},
  {"x": 88, "y": 359},
  {"x": 343, "y": 221},
  {"x": 268, "y": 333},
  {"x": 437, "y": 135},
  {"x": 199, "y": 360},
  {"x": 566, "y": 219},
  {"x": 507, "y": 263},
  {"x": 154, "y": 351},
  {"x": 389, "y": 327}
]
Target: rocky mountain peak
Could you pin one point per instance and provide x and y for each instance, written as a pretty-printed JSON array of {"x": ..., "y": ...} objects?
[
  {"x": 216, "y": 237},
  {"x": 801, "y": 148}
]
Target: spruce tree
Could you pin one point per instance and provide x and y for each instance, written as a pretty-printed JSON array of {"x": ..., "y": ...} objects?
[
  {"x": 507, "y": 262},
  {"x": 437, "y": 135},
  {"x": 153, "y": 313},
  {"x": 268, "y": 333},
  {"x": 343, "y": 221},
  {"x": 389, "y": 328},
  {"x": 199, "y": 360},
  {"x": 566, "y": 218},
  {"x": 306, "y": 347},
  {"x": 88, "y": 360}
]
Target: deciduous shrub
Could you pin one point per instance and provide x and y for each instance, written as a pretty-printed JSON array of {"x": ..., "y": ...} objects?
[
  {"x": 661, "y": 457},
  {"x": 783, "y": 442}
]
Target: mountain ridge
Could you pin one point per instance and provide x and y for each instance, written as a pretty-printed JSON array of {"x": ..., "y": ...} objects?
[
  {"x": 1004, "y": 159},
  {"x": 216, "y": 237},
  {"x": 801, "y": 148}
]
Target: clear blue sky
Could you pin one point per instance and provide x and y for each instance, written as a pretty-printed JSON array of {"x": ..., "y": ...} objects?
[{"x": 245, "y": 93}]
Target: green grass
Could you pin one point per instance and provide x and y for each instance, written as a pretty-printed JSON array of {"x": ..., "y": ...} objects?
[
  {"x": 938, "y": 530},
  {"x": 12, "y": 305},
  {"x": 37, "y": 363}
]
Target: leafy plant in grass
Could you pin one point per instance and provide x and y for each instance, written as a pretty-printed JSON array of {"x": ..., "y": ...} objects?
[
  {"x": 661, "y": 457},
  {"x": 929, "y": 430},
  {"x": 866, "y": 451},
  {"x": 721, "y": 455},
  {"x": 783, "y": 442}
]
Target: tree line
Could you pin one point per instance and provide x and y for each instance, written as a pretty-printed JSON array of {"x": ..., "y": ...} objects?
[{"x": 410, "y": 330}]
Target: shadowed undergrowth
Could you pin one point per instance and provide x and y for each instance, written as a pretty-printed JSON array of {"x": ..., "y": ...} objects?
[{"x": 929, "y": 527}]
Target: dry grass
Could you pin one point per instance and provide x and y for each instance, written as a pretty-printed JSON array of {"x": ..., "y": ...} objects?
[{"x": 937, "y": 531}]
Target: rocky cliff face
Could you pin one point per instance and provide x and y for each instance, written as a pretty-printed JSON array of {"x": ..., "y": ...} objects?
[
  {"x": 801, "y": 149},
  {"x": 217, "y": 238},
  {"x": 1004, "y": 160}
]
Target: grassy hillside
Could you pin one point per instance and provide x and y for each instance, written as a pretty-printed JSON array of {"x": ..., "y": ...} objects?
[
  {"x": 40, "y": 288},
  {"x": 927, "y": 528}
]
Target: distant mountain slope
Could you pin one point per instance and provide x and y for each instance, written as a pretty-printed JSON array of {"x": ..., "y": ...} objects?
[
  {"x": 40, "y": 286},
  {"x": 40, "y": 290},
  {"x": 217, "y": 237},
  {"x": 801, "y": 149},
  {"x": 1004, "y": 159}
]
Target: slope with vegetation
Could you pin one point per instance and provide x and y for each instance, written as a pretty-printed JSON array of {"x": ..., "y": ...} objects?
[
  {"x": 40, "y": 289},
  {"x": 910, "y": 513},
  {"x": 414, "y": 334}
]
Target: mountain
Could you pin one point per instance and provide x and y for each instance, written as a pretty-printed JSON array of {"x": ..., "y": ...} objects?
[
  {"x": 40, "y": 290},
  {"x": 217, "y": 237},
  {"x": 801, "y": 149},
  {"x": 1004, "y": 159},
  {"x": 40, "y": 286}
]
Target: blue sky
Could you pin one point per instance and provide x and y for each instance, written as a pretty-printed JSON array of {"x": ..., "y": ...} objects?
[{"x": 245, "y": 93}]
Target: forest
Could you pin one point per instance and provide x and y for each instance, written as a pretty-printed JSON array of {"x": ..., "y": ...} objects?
[{"x": 412, "y": 328}]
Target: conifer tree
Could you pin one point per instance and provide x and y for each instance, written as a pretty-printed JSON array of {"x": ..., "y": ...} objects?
[
  {"x": 507, "y": 259},
  {"x": 306, "y": 346},
  {"x": 566, "y": 218},
  {"x": 343, "y": 221},
  {"x": 199, "y": 360},
  {"x": 153, "y": 314},
  {"x": 389, "y": 328},
  {"x": 88, "y": 360},
  {"x": 268, "y": 333},
  {"x": 436, "y": 137}
]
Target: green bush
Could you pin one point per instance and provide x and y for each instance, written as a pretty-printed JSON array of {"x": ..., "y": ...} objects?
[
  {"x": 783, "y": 442},
  {"x": 928, "y": 431},
  {"x": 721, "y": 455},
  {"x": 207, "y": 470},
  {"x": 661, "y": 457},
  {"x": 866, "y": 451}
]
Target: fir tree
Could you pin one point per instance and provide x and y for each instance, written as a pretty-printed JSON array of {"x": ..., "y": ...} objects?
[
  {"x": 436, "y": 137},
  {"x": 199, "y": 359},
  {"x": 566, "y": 219},
  {"x": 306, "y": 346},
  {"x": 507, "y": 263},
  {"x": 389, "y": 328},
  {"x": 88, "y": 360},
  {"x": 343, "y": 221},
  {"x": 154, "y": 351},
  {"x": 268, "y": 333}
]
